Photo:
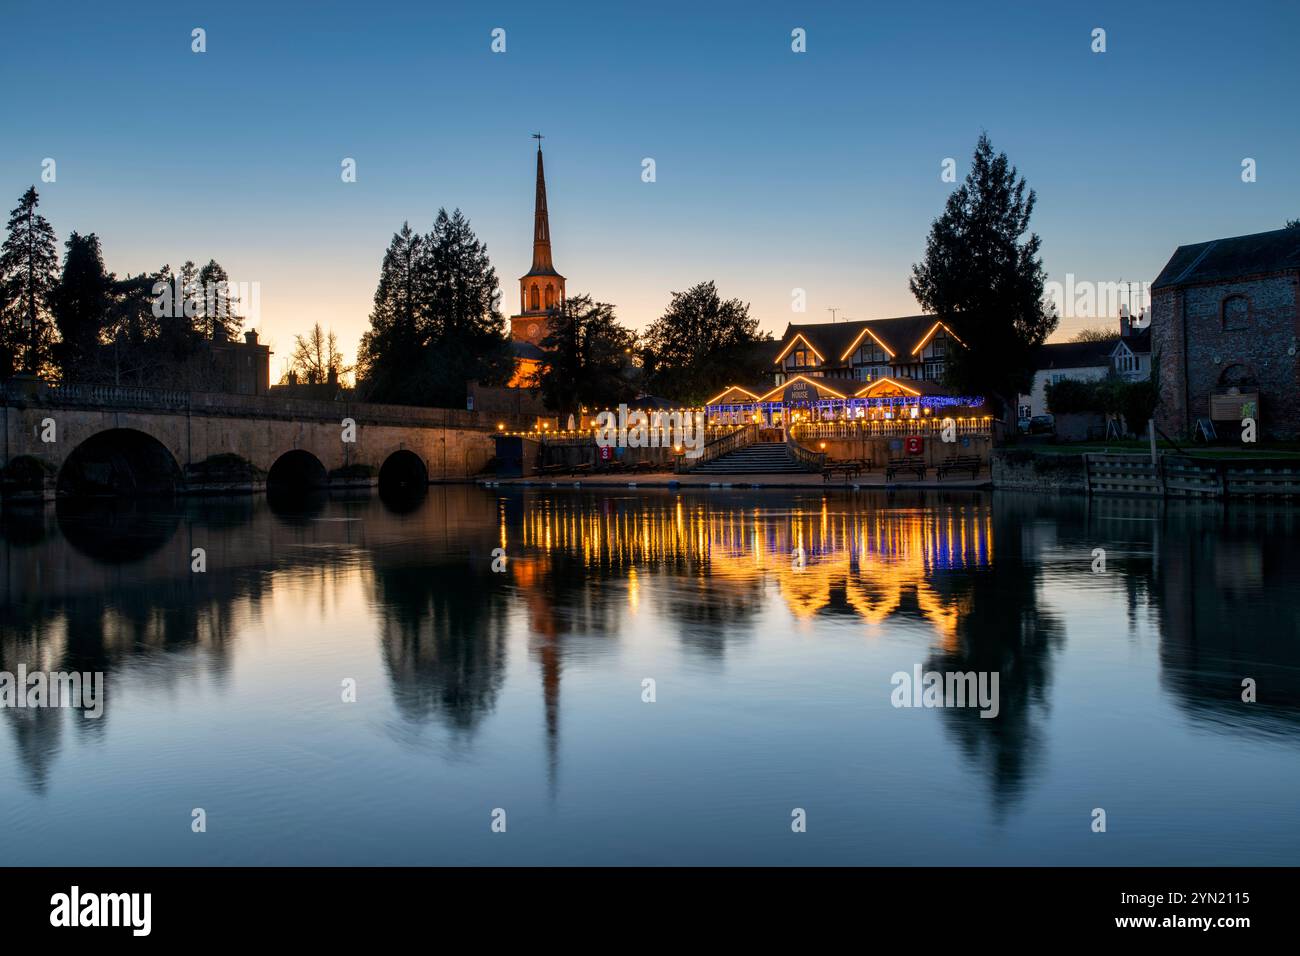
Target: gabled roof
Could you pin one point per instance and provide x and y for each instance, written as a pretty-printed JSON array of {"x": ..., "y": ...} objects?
[
  {"x": 834, "y": 340},
  {"x": 1219, "y": 259},
  {"x": 1058, "y": 355},
  {"x": 836, "y": 388},
  {"x": 907, "y": 386},
  {"x": 1138, "y": 341}
]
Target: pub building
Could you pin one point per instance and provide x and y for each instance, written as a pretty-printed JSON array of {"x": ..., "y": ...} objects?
[{"x": 879, "y": 374}]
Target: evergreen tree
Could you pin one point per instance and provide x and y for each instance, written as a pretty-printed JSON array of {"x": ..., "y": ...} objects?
[
  {"x": 587, "y": 357},
  {"x": 80, "y": 304},
  {"x": 435, "y": 323},
  {"x": 390, "y": 354},
  {"x": 144, "y": 347},
  {"x": 986, "y": 281},
  {"x": 216, "y": 316},
  {"x": 467, "y": 338},
  {"x": 29, "y": 265},
  {"x": 699, "y": 345}
]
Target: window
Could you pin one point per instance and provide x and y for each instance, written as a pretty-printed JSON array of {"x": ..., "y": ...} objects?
[
  {"x": 550, "y": 296},
  {"x": 1236, "y": 313},
  {"x": 801, "y": 357},
  {"x": 1125, "y": 361},
  {"x": 869, "y": 354},
  {"x": 938, "y": 345},
  {"x": 536, "y": 303},
  {"x": 934, "y": 369},
  {"x": 869, "y": 373}
]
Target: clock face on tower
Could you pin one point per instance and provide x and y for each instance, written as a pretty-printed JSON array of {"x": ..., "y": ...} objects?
[{"x": 532, "y": 330}]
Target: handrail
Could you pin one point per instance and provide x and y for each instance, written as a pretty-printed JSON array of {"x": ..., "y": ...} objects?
[
  {"x": 805, "y": 456},
  {"x": 733, "y": 440},
  {"x": 871, "y": 428}
]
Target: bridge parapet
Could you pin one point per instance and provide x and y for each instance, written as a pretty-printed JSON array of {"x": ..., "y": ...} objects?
[{"x": 110, "y": 397}]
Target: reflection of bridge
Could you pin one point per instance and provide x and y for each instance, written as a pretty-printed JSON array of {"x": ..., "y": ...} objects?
[{"x": 110, "y": 439}]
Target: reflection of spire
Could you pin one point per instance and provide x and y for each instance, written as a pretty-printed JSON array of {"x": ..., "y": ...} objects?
[{"x": 550, "y": 656}]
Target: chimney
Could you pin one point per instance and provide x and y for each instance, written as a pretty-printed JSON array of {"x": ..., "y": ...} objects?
[
  {"x": 251, "y": 336},
  {"x": 332, "y": 378},
  {"x": 1125, "y": 324}
]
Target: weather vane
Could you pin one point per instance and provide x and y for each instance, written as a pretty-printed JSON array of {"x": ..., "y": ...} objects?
[{"x": 538, "y": 137}]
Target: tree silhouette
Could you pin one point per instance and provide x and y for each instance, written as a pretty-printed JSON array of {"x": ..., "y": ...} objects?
[
  {"x": 316, "y": 355},
  {"x": 699, "y": 345},
  {"x": 587, "y": 357},
  {"x": 435, "y": 323},
  {"x": 28, "y": 274},
  {"x": 986, "y": 281},
  {"x": 80, "y": 304}
]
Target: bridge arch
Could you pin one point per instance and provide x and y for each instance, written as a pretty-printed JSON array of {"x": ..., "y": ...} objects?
[
  {"x": 403, "y": 470},
  {"x": 296, "y": 470},
  {"x": 119, "y": 462}
]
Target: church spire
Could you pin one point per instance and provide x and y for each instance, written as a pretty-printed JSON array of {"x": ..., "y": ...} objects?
[
  {"x": 541, "y": 288},
  {"x": 542, "y": 264}
]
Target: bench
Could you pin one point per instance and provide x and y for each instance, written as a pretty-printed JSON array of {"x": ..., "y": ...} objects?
[
  {"x": 969, "y": 463},
  {"x": 552, "y": 469},
  {"x": 583, "y": 468},
  {"x": 849, "y": 469},
  {"x": 915, "y": 465}
]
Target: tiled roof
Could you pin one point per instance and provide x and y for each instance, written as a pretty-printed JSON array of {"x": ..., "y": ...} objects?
[
  {"x": 1219, "y": 259},
  {"x": 1073, "y": 355},
  {"x": 1138, "y": 341},
  {"x": 832, "y": 339}
]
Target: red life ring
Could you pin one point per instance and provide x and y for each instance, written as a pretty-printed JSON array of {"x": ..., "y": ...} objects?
[{"x": 914, "y": 444}]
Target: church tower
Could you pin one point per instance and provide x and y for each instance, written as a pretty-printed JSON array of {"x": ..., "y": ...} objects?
[{"x": 541, "y": 288}]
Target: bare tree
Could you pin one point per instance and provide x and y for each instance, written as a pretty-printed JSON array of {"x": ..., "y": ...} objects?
[
  {"x": 1101, "y": 333},
  {"x": 316, "y": 355}
]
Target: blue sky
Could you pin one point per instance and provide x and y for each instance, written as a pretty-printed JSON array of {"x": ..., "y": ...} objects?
[{"x": 775, "y": 170}]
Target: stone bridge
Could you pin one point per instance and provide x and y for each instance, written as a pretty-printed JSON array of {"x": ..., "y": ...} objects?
[{"x": 112, "y": 440}]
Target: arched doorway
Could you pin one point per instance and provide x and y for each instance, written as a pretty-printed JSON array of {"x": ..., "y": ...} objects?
[
  {"x": 120, "y": 462},
  {"x": 1238, "y": 375}
]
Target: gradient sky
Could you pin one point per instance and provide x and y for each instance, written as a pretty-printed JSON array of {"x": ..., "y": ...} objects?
[{"x": 775, "y": 170}]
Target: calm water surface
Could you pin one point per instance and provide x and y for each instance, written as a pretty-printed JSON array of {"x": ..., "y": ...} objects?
[{"x": 523, "y": 690}]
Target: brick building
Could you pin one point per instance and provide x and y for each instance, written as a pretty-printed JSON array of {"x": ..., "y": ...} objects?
[{"x": 1225, "y": 316}]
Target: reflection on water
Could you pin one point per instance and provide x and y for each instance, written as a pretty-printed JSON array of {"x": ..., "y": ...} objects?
[{"x": 770, "y": 622}]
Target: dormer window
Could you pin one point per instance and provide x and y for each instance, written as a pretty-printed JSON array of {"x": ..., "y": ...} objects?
[
  {"x": 938, "y": 346},
  {"x": 801, "y": 357},
  {"x": 1125, "y": 360}
]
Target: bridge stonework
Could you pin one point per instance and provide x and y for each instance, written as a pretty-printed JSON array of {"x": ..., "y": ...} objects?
[{"x": 196, "y": 428}]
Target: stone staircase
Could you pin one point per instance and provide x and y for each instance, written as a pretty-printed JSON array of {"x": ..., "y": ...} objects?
[{"x": 760, "y": 458}]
